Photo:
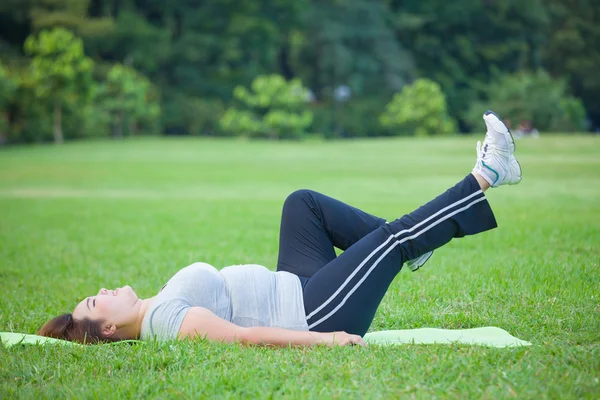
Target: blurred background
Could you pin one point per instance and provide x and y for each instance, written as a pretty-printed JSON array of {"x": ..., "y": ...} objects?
[{"x": 283, "y": 69}]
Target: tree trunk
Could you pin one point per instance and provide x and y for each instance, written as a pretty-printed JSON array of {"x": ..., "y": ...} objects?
[
  {"x": 3, "y": 122},
  {"x": 284, "y": 60},
  {"x": 133, "y": 128},
  {"x": 57, "y": 128},
  {"x": 119, "y": 125}
]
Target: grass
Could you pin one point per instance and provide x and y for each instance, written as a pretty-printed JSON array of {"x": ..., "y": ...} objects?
[{"x": 86, "y": 215}]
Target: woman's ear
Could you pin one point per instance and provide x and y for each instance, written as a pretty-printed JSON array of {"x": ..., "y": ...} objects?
[{"x": 108, "y": 330}]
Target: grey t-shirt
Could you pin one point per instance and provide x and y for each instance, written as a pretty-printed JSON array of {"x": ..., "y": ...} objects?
[{"x": 247, "y": 295}]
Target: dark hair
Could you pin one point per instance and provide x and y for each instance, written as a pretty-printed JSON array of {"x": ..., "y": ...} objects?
[{"x": 84, "y": 331}]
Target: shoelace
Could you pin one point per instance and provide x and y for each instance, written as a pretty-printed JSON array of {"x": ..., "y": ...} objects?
[{"x": 483, "y": 149}]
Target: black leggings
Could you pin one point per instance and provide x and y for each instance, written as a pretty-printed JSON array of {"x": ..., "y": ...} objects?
[{"x": 342, "y": 293}]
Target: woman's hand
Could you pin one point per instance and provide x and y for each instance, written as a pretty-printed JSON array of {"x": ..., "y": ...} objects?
[{"x": 341, "y": 339}]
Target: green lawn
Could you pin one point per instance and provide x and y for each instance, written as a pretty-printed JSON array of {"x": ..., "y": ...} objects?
[{"x": 85, "y": 215}]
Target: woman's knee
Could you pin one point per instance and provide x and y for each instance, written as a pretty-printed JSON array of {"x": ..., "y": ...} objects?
[{"x": 301, "y": 195}]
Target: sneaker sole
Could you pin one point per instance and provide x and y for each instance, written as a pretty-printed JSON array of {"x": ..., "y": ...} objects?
[
  {"x": 422, "y": 262},
  {"x": 520, "y": 171},
  {"x": 512, "y": 139}
]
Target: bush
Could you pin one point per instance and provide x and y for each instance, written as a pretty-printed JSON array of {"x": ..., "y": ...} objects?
[
  {"x": 534, "y": 97},
  {"x": 187, "y": 115},
  {"x": 418, "y": 109},
  {"x": 357, "y": 118},
  {"x": 130, "y": 101},
  {"x": 573, "y": 116},
  {"x": 273, "y": 108},
  {"x": 203, "y": 116},
  {"x": 28, "y": 118},
  {"x": 92, "y": 120}
]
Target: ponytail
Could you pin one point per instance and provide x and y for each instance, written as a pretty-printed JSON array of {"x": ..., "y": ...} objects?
[{"x": 84, "y": 331}]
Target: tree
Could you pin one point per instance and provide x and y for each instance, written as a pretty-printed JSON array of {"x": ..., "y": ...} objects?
[
  {"x": 60, "y": 70},
  {"x": 272, "y": 108},
  {"x": 534, "y": 97},
  {"x": 420, "y": 108},
  {"x": 461, "y": 44},
  {"x": 126, "y": 96},
  {"x": 573, "y": 49},
  {"x": 7, "y": 90},
  {"x": 196, "y": 51},
  {"x": 7, "y": 86},
  {"x": 351, "y": 43},
  {"x": 68, "y": 14}
]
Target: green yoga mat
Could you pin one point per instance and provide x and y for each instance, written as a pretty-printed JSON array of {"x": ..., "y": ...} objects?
[
  {"x": 487, "y": 336},
  {"x": 13, "y": 338}
]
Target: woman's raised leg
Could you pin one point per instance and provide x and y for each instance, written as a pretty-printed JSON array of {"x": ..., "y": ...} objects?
[{"x": 345, "y": 293}]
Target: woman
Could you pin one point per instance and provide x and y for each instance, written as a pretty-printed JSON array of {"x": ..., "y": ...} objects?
[{"x": 314, "y": 297}]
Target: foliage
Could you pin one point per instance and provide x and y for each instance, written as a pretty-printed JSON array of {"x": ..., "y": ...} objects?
[
  {"x": 127, "y": 98},
  {"x": 573, "y": 49},
  {"x": 351, "y": 119},
  {"x": 69, "y": 14},
  {"x": 60, "y": 71},
  {"x": 187, "y": 115},
  {"x": 272, "y": 108},
  {"x": 30, "y": 120},
  {"x": 137, "y": 41},
  {"x": 197, "y": 53},
  {"x": 460, "y": 44},
  {"x": 572, "y": 116},
  {"x": 534, "y": 97},
  {"x": 419, "y": 108},
  {"x": 331, "y": 51},
  {"x": 92, "y": 120},
  {"x": 8, "y": 88}
]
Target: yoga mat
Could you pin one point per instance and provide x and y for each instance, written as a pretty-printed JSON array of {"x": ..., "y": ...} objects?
[
  {"x": 486, "y": 336},
  {"x": 13, "y": 338}
]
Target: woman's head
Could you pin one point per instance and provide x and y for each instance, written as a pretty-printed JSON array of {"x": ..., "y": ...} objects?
[
  {"x": 67, "y": 328},
  {"x": 110, "y": 315}
]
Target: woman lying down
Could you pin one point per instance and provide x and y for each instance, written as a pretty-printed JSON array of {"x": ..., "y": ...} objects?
[{"x": 315, "y": 297}]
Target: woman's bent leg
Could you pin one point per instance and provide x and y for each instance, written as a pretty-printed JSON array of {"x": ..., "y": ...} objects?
[
  {"x": 344, "y": 294},
  {"x": 312, "y": 224}
]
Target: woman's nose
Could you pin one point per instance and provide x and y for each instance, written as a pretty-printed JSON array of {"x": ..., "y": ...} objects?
[{"x": 103, "y": 291}]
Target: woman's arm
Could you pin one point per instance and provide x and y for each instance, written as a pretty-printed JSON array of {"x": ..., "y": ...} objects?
[{"x": 200, "y": 322}]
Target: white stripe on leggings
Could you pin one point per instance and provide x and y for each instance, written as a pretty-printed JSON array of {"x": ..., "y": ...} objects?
[
  {"x": 334, "y": 295},
  {"x": 386, "y": 252}
]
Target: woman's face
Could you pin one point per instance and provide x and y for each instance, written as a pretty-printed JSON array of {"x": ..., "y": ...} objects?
[{"x": 116, "y": 308}]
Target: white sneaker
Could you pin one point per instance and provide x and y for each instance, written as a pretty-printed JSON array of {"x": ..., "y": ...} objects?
[
  {"x": 418, "y": 262},
  {"x": 495, "y": 160}
]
